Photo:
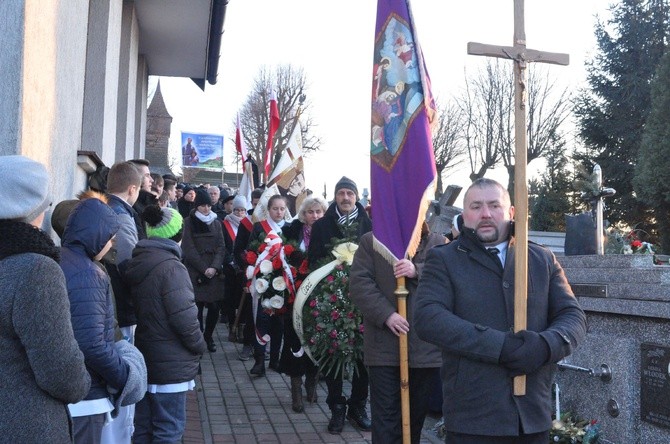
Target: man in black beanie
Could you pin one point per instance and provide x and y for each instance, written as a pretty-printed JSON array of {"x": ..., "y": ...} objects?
[{"x": 345, "y": 217}]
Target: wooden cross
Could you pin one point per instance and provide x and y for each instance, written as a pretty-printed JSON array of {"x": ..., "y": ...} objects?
[{"x": 521, "y": 56}]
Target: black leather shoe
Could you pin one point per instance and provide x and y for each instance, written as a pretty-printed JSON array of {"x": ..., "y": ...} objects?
[
  {"x": 296, "y": 394},
  {"x": 310, "y": 388},
  {"x": 336, "y": 423},
  {"x": 211, "y": 346},
  {"x": 358, "y": 417},
  {"x": 259, "y": 366}
]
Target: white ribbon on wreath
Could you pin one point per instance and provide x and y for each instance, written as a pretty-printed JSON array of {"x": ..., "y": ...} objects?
[{"x": 343, "y": 252}]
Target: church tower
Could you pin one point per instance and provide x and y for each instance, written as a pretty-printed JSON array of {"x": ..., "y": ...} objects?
[{"x": 158, "y": 133}]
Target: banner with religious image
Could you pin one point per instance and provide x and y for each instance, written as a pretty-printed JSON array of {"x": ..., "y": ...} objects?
[
  {"x": 289, "y": 174},
  {"x": 402, "y": 167}
]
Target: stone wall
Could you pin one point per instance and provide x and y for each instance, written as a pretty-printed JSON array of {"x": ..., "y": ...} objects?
[{"x": 627, "y": 302}]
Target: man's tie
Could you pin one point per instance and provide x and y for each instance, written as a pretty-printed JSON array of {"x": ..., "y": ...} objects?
[{"x": 493, "y": 251}]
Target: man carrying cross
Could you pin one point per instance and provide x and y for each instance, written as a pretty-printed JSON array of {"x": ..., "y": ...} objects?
[{"x": 465, "y": 305}]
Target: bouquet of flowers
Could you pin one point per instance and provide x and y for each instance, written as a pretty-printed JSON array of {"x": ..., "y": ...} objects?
[
  {"x": 570, "y": 430},
  {"x": 630, "y": 242},
  {"x": 633, "y": 245},
  {"x": 332, "y": 325},
  {"x": 271, "y": 275}
]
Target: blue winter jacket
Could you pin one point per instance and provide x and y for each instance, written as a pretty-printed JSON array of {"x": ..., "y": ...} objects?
[{"x": 90, "y": 226}]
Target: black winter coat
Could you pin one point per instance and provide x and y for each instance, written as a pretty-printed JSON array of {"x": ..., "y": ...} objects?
[
  {"x": 288, "y": 362},
  {"x": 241, "y": 242},
  {"x": 326, "y": 228},
  {"x": 465, "y": 305},
  {"x": 168, "y": 333},
  {"x": 203, "y": 247}
]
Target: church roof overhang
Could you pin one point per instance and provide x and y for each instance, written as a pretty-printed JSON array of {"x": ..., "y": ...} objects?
[{"x": 182, "y": 38}]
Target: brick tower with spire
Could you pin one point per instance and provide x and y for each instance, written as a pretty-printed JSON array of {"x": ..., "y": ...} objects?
[{"x": 159, "y": 121}]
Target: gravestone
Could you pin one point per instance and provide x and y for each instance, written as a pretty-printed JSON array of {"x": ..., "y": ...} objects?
[
  {"x": 580, "y": 234},
  {"x": 627, "y": 302},
  {"x": 441, "y": 213}
]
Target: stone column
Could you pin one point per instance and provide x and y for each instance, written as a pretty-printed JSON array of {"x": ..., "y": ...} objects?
[{"x": 42, "y": 64}]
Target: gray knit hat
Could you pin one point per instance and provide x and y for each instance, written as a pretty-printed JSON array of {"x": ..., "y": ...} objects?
[
  {"x": 347, "y": 183},
  {"x": 26, "y": 188},
  {"x": 240, "y": 202}
]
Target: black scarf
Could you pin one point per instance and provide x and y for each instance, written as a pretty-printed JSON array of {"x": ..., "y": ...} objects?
[
  {"x": 198, "y": 226},
  {"x": 20, "y": 237}
]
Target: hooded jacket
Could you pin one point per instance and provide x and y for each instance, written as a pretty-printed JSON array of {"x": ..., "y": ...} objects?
[
  {"x": 168, "y": 333},
  {"x": 90, "y": 226}
]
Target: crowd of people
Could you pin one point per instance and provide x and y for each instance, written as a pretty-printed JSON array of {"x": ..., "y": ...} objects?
[{"x": 102, "y": 337}]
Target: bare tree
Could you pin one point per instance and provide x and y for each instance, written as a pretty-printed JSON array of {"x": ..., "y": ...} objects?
[
  {"x": 547, "y": 111},
  {"x": 290, "y": 85},
  {"x": 486, "y": 105},
  {"x": 448, "y": 142}
]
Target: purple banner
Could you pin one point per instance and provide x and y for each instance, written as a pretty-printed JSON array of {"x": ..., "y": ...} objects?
[{"x": 402, "y": 166}]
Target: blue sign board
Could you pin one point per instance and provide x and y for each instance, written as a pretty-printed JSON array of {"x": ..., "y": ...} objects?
[{"x": 202, "y": 150}]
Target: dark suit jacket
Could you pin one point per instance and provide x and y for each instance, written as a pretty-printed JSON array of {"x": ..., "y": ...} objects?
[{"x": 465, "y": 304}]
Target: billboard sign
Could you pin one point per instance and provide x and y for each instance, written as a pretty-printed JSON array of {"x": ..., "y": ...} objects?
[{"x": 202, "y": 151}]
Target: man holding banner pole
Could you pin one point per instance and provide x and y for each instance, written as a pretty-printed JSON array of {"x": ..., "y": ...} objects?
[
  {"x": 372, "y": 289},
  {"x": 402, "y": 167}
]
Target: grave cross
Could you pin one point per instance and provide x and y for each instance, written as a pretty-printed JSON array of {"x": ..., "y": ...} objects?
[{"x": 521, "y": 57}]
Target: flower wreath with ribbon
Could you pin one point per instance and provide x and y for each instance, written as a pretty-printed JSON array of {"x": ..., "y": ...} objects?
[
  {"x": 271, "y": 278},
  {"x": 329, "y": 325}
]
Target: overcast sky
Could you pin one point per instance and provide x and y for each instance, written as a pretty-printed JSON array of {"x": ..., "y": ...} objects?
[{"x": 333, "y": 42}]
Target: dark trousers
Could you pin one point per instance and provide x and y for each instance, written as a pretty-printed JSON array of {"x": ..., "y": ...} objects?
[
  {"x": 359, "y": 388},
  {"x": 228, "y": 309},
  {"x": 247, "y": 317},
  {"x": 88, "y": 429},
  {"x": 211, "y": 319},
  {"x": 230, "y": 303},
  {"x": 289, "y": 363},
  {"x": 385, "y": 404},
  {"x": 272, "y": 325},
  {"x": 462, "y": 438}
]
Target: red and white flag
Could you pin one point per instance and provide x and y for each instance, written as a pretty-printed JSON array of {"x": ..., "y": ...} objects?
[
  {"x": 239, "y": 141},
  {"x": 272, "y": 129}
]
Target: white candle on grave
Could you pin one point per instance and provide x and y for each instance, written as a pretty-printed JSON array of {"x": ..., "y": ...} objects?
[{"x": 557, "y": 390}]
